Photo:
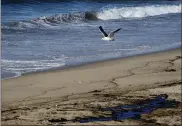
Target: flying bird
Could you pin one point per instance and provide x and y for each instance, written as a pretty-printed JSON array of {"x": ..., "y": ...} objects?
[{"x": 109, "y": 37}]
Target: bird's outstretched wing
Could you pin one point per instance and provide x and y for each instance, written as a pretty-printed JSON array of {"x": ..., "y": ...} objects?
[
  {"x": 103, "y": 32},
  {"x": 111, "y": 34}
]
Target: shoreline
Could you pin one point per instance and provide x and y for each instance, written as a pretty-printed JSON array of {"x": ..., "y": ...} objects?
[
  {"x": 65, "y": 67},
  {"x": 61, "y": 96}
]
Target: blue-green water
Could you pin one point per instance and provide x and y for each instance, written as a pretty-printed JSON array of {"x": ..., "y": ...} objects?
[{"x": 45, "y": 34}]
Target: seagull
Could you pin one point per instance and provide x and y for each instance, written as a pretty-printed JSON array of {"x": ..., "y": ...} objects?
[{"x": 109, "y": 37}]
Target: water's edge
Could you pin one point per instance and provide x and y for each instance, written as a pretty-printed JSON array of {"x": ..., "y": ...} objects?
[{"x": 66, "y": 67}]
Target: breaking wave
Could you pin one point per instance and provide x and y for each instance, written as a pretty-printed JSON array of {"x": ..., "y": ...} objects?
[
  {"x": 138, "y": 12},
  {"x": 52, "y": 21},
  {"x": 104, "y": 14},
  {"x": 72, "y": 17}
]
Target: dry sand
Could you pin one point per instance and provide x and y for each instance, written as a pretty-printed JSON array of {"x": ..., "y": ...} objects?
[{"x": 56, "y": 97}]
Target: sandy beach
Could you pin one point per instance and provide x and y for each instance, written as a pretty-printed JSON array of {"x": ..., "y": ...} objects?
[{"x": 60, "y": 96}]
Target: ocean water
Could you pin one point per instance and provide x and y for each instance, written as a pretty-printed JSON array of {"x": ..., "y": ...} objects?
[{"x": 38, "y": 35}]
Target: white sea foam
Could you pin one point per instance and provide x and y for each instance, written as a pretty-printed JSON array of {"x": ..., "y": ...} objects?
[
  {"x": 105, "y": 14},
  {"x": 138, "y": 12},
  {"x": 24, "y": 66}
]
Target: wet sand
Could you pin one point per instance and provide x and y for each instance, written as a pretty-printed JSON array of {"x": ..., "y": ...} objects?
[{"x": 60, "y": 96}]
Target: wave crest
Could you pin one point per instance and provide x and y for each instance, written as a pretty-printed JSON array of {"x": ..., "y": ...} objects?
[
  {"x": 105, "y": 14},
  {"x": 137, "y": 12},
  {"x": 72, "y": 17},
  {"x": 48, "y": 22}
]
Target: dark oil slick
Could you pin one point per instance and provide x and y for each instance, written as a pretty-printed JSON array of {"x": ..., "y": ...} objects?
[{"x": 134, "y": 111}]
